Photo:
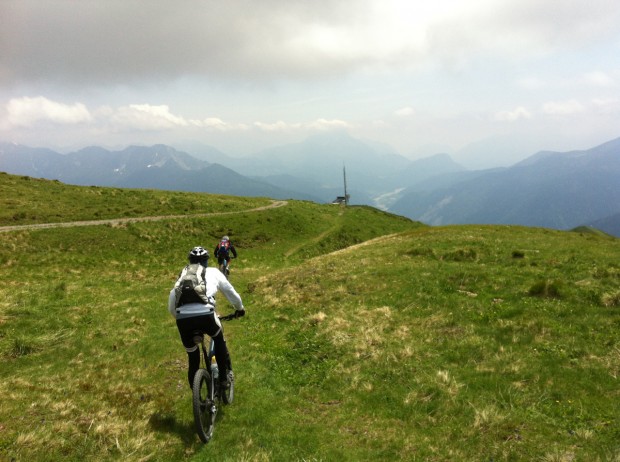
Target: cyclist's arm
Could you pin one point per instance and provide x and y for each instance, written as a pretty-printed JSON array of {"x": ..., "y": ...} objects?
[
  {"x": 228, "y": 290},
  {"x": 231, "y": 295}
]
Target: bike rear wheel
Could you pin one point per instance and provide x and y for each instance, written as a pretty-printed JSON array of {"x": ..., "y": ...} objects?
[
  {"x": 228, "y": 393},
  {"x": 204, "y": 405}
]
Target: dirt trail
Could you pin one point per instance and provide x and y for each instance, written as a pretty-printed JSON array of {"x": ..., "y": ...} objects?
[
  {"x": 115, "y": 221},
  {"x": 314, "y": 239}
]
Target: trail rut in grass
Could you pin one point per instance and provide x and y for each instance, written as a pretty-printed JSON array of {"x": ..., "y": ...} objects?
[{"x": 117, "y": 221}]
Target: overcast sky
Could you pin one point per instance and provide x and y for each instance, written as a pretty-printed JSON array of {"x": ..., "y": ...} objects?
[{"x": 242, "y": 75}]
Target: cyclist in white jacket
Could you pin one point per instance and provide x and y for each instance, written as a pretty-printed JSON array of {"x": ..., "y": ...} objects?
[{"x": 195, "y": 311}]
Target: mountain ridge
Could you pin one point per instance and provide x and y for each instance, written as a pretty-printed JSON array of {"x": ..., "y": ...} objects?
[
  {"x": 156, "y": 167},
  {"x": 550, "y": 189}
]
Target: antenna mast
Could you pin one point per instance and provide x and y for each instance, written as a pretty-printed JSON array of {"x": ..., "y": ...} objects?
[{"x": 346, "y": 196}]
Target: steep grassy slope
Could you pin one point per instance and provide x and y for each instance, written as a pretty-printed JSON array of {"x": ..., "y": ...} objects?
[{"x": 367, "y": 337}]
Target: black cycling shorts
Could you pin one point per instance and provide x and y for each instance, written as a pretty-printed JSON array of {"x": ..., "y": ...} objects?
[{"x": 208, "y": 324}]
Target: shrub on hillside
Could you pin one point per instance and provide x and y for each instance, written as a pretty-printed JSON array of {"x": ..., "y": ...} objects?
[
  {"x": 610, "y": 272},
  {"x": 611, "y": 299},
  {"x": 461, "y": 255},
  {"x": 546, "y": 289},
  {"x": 420, "y": 252}
]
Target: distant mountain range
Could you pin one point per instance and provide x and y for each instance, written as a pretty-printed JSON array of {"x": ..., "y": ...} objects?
[
  {"x": 548, "y": 189},
  {"x": 610, "y": 224},
  {"x": 155, "y": 167}
]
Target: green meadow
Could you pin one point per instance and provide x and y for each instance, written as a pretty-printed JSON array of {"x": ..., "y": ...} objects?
[{"x": 368, "y": 336}]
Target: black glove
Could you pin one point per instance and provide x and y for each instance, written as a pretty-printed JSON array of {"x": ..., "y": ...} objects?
[{"x": 240, "y": 313}]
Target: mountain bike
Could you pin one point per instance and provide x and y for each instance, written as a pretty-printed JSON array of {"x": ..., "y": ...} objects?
[
  {"x": 225, "y": 268},
  {"x": 206, "y": 392}
]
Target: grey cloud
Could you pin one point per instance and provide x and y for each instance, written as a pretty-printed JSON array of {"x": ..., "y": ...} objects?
[
  {"x": 95, "y": 42},
  {"x": 513, "y": 30},
  {"x": 119, "y": 41}
]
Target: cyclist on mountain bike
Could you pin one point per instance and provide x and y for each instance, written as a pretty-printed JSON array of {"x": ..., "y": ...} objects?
[
  {"x": 192, "y": 304},
  {"x": 223, "y": 249}
]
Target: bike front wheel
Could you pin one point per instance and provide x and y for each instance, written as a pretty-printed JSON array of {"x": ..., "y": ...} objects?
[{"x": 204, "y": 405}]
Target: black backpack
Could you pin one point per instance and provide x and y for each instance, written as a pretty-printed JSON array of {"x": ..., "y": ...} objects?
[{"x": 193, "y": 286}]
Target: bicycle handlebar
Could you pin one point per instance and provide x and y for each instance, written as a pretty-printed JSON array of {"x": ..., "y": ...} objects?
[{"x": 228, "y": 317}]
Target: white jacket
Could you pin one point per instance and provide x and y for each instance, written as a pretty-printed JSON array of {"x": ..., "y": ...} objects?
[{"x": 215, "y": 281}]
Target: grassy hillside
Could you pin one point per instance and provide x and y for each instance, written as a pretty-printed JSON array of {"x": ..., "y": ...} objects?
[
  {"x": 25, "y": 200},
  {"x": 367, "y": 337}
]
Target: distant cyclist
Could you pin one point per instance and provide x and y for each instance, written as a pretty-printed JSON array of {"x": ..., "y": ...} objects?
[
  {"x": 223, "y": 251},
  {"x": 192, "y": 304}
]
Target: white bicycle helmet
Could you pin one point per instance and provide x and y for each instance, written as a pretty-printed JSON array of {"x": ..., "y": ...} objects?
[{"x": 198, "y": 255}]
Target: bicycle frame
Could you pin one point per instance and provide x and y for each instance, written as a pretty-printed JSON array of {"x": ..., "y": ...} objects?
[
  {"x": 209, "y": 359},
  {"x": 225, "y": 267},
  {"x": 207, "y": 355}
]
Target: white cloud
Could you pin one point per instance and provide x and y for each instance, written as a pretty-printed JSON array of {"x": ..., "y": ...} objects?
[
  {"x": 563, "y": 108},
  {"x": 511, "y": 116},
  {"x": 405, "y": 112},
  {"x": 279, "y": 126},
  {"x": 599, "y": 78},
  {"x": 146, "y": 117},
  {"x": 531, "y": 83},
  {"x": 319, "y": 124},
  {"x": 607, "y": 105},
  {"x": 214, "y": 123},
  {"x": 324, "y": 124},
  {"x": 26, "y": 112}
]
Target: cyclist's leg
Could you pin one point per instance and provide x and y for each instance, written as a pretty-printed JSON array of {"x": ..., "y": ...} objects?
[
  {"x": 187, "y": 327},
  {"x": 222, "y": 356},
  {"x": 193, "y": 363}
]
